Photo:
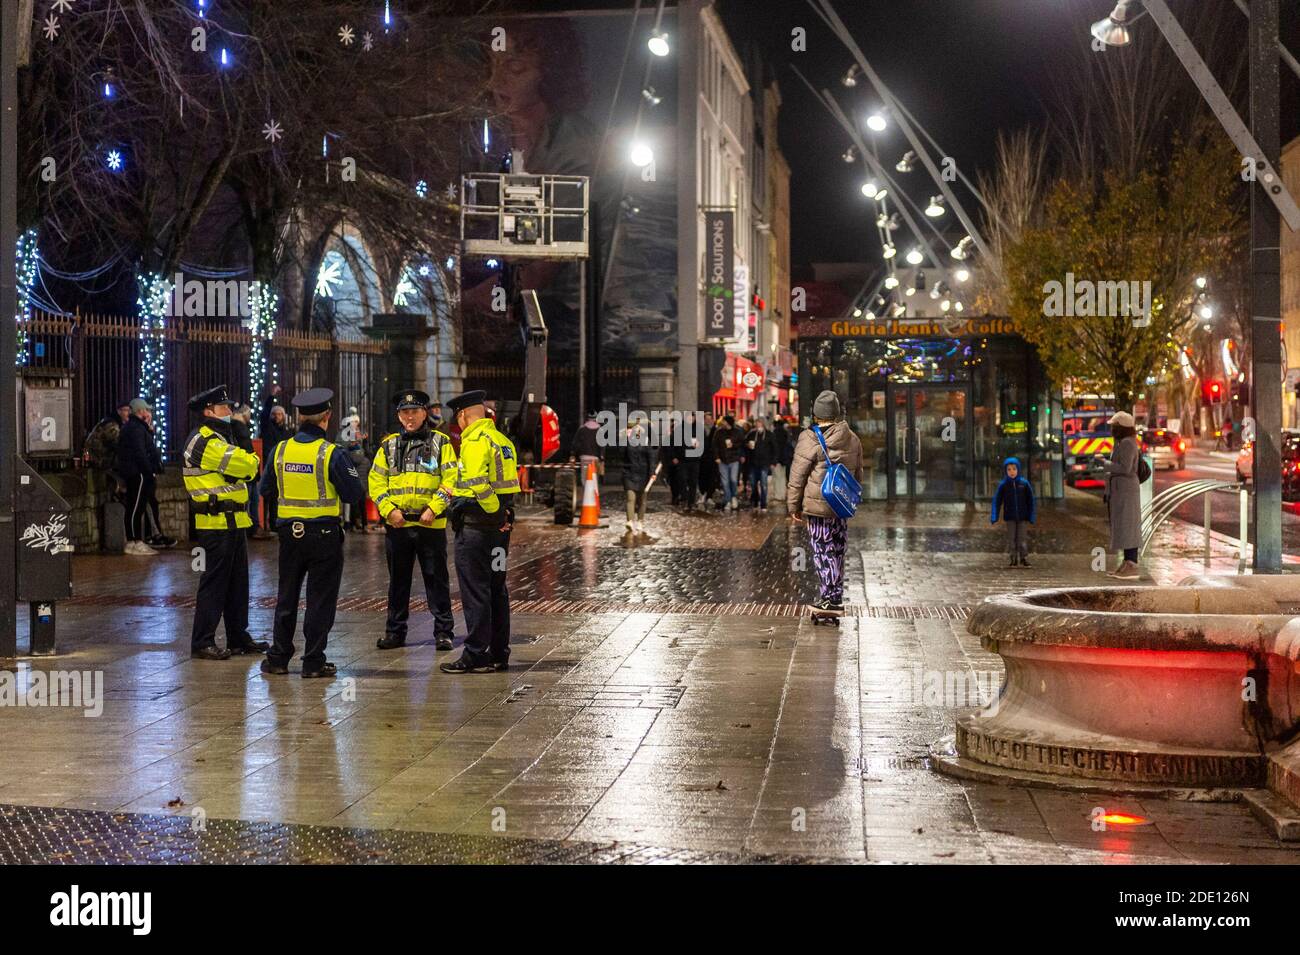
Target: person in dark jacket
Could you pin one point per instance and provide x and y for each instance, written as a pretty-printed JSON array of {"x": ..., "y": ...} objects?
[
  {"x": 671, "y": 452},
  {"x": 688, "y": 445},
  {"x": 139, "y": 462},
  {"x": 275, "y": 428},
  {"x": 638, "y": 466},
  {"x": 586, "y": 447},
  {"x": 728, "y": 447},
  {"x": 708, "y": 463},
  {"x": 1013, "y": 501},
  {"x": 760, "y": 454}
]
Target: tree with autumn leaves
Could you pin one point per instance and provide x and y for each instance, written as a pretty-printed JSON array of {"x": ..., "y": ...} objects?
[{"x": 1132, "y": 182}]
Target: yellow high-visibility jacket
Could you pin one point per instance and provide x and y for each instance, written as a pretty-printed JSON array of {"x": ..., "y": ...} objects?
[
  {"x": 487, "y": 471},
  {"x": 216, "y": 475},
  {"x": 408, "y": 475}
]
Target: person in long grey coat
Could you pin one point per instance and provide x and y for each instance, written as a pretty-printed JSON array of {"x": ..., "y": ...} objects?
[{"x": 1123, "y": 495}]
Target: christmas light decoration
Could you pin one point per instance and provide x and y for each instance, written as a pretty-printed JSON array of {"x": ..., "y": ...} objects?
[
  {"x": 114, "y": 160},
  {"x": 154, "y": 301},
  {"x": 421, "y": 188},
  {"x": 405, "y": 290},
  {"x": 331, "y": 272},
  {"x": 263, "y": 301},
  {"x": 28, "y": 262}
]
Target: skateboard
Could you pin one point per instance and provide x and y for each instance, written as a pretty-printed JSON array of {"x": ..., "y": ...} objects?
[{"x": 829, "y": 617}]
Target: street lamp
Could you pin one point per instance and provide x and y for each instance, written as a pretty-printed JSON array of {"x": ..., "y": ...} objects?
[
  {"x": 1113, "y": 31},
  {"x": 877, "y": 122},
  {"x": 642, "y": 155},
  {"x": 935, "y": 209},
  {"x": 869, "y": 189},
  {"x": 658, "y": 44},
  {"x": 915, "y": 257}
]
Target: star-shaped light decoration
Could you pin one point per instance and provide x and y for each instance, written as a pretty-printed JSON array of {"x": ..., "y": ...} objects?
[
  {"x": 51, "y": 29},
  {"x": 451, "y": 190},
  {"x": 329, "y": 275},
  {"x": 421, "y": 188},
  {"x": 114, "y": 160},
  {"x": 345, "y": 35},
  {"x": 272, "y": 131},
  {"x": 62, "y": 6},
  {"x": 367, "y": 41}
]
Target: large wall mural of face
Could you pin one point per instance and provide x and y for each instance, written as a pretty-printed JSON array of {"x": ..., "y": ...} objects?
[{"x": 553, "y": 92}]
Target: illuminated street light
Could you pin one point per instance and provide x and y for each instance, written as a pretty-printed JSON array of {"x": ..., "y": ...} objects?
[
  {"x": 658, "y": 43},
  {"x": 1207, "y": 312},
  {"x": 915, "y": 257},
  {"x": 891, "y": 282},
  {"x": 642, "y": 155},
  {"x": 935, "y": 209},
  {"x": 869, "y": 189},
  {"x": 849, "y": 155},
  {"x": 907, "y": 163},
  {"x": 962, "y": 275},
  {"x": 877, "y": 122},
  {"x": 1113, "y": 31},
  {"x": 1202, "y": 281},
  {"x": 850, "y": 78},
  {"x": 890, "y": 252}
]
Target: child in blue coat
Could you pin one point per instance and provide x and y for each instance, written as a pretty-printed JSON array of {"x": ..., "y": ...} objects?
[{"x": 1014, "y": 501}]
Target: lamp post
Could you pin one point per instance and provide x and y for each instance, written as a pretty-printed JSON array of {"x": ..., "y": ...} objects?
[
  {"x": 1269, "y": 202},
  {"x": 9, "y": 20}
]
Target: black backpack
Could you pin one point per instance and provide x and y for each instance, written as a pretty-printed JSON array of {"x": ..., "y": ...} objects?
[{"x": 1144, "y": 470}]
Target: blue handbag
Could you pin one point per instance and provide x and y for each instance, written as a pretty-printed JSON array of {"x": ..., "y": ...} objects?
[{"x": 840, "y": 488}]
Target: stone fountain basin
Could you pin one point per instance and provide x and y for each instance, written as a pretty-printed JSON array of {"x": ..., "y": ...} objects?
[{"x": 1188, "y": 686}]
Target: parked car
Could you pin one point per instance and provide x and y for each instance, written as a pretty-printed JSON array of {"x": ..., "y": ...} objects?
[
  {"x": 1167, "y": 448},
  {"x": 1290, "y": 464}
]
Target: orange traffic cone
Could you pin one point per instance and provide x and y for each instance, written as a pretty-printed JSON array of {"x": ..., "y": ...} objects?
[{"x": 590, "y": 516}]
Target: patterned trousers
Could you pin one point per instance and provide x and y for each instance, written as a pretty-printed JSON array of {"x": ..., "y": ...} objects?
[{"x": 829, "y": 537}]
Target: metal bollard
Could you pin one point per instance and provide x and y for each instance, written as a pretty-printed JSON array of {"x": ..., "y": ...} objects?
[
  {"x": 1245, "y": 512},
  {"x": 1208, "y": 509}
]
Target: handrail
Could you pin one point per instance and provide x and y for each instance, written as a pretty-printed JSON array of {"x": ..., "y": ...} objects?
[{"x": 1165, "y": 504}]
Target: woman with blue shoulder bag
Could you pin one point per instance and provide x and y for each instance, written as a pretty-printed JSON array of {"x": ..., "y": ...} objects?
[{"x": 823, "y": 491}]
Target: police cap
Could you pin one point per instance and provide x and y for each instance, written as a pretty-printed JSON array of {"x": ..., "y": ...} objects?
[
  {"x": 467, "y": 400},
  {"x": 213, "y": 396},
  {"x": 410, "y": 399},
  {"x": 313, "y": 400}
]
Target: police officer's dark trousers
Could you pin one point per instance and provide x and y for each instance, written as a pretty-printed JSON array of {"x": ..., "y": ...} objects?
[
  {"x": 223, "y": 588},
  {"x": 403, "y": 546},
  {"x": 481, "y": 571},
  {"x": 317, "y": 557}
]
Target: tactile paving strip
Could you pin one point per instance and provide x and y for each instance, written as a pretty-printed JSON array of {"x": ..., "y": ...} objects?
[
  {"x": 379, "y": 605},
  {"x": 45, "y": 836}
]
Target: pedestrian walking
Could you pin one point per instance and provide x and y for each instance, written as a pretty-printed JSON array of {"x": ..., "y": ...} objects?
[
  {"x": 638, "y": 466},
  {"x": 586, "y": 446},
  {"x": 670, "y": 456},
  {"x": 760, "y": 453},
  {"x": 1123, "y": 495},
  {"x": 827, "y": 532},
  {"x": 139, "y": 462},
  {"x": 313, "y": 478},
  {"x": 727, "y": 445},
  {"x": 217, "y": 472},
  {"x": 690, "y": 443},
  {"x": 482, "y": 515},
  {"x": 780, "y": 468},
  {"x": 1013, "y": 502},
  {"x": 409, "y": 468},
  {"x": 708, "y": 461}
]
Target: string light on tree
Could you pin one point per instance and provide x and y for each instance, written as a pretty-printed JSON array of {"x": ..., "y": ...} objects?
[
  {"x": 28, "y": 262},
  {"x": 153, "y": 302},
  {"x": 263, "y": 301}
]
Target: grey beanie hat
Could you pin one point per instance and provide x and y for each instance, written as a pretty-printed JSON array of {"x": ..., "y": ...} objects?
[{"x": 827, "y": 406}]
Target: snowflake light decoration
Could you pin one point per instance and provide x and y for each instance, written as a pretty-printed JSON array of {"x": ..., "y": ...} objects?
[
  {"x": 345, "y": 35},
  {"x": 114, "y": 160},
  {"x": 421, "y": 188},
  {"x": 272, "y": 131},
  {"x": 61, "y": 6},
  {"x": 51, "y": 28},
  {"x": 367, "y": 41},
  {"x": 330, "y": 274}
]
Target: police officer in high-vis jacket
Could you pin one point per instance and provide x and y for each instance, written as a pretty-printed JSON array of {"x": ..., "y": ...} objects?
[
  {"x": 482, "y": 514},
  {"x": 216, "y": 476},
  {"x": 312, "y": 479},
  {"x": 409, "y": 468}
]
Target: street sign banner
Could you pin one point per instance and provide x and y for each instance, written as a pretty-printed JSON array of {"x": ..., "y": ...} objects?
[{"x": 720, "y": 275}]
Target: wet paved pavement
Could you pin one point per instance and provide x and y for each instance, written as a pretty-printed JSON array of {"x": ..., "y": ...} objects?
[{"x": 666, "y": 702}]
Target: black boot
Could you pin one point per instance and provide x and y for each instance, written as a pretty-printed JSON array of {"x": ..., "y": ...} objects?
[
  {"x": 210, "y": 653},
  {"x": 390, "y": 641}
]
